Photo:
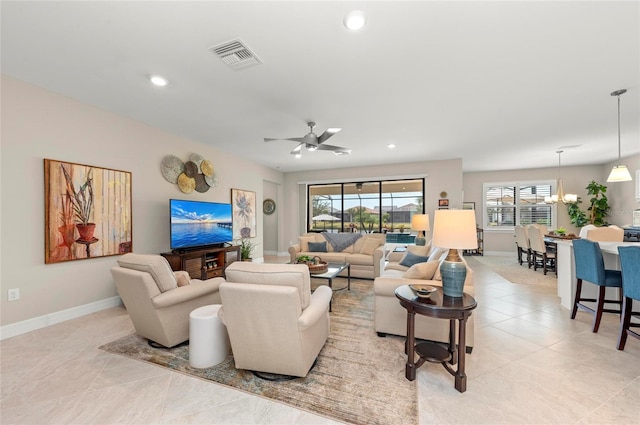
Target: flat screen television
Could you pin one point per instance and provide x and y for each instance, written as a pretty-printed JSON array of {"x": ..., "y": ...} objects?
[{"x": 196, "y": 224}]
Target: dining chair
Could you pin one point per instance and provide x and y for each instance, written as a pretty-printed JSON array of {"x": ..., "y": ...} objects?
[
  {"x": 630, "y": 265},
  {"x": 590, "y": 268},
  {"x": 522, "y": 244},
  {"x": 605, "y": 234},
  {"x": 540, "y": 255}
]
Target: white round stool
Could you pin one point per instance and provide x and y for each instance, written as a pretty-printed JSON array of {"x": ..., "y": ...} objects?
[{"x": 208, "y": 338}]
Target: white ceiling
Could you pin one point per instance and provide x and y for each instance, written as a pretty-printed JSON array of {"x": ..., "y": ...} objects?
[{"x": 501, "y": 85}]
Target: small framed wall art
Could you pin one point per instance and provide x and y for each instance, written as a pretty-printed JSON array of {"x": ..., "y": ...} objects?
[{"x": 244, "y": 213}]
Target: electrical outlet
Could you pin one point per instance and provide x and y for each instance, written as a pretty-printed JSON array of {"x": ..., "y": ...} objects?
[{"x": 14, "y": 294}]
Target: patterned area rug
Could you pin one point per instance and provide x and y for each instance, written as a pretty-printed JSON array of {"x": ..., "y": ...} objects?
[
  {"x": 358, "y": 378},
  {"x": 509, "y": 268}
]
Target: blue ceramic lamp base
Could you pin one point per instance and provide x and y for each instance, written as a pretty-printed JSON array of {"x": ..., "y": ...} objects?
[{"x": 453, "y": 274}]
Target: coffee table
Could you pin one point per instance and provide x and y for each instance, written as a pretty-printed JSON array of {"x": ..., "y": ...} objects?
[{"x": 333, "y": 270}]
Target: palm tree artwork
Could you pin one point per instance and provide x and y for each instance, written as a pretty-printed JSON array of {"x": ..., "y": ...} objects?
[{"x": 244, "y": 210}]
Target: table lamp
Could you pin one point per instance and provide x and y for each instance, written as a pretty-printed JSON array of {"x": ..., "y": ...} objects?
[
  {"x": 420, "y": 222},
  {"x": 454, "y": 230}
]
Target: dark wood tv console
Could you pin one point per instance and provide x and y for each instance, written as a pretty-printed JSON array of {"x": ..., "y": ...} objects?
[{"x": 203, "y": 263}]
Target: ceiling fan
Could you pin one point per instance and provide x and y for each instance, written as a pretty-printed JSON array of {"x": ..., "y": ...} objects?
[{"x": 313, "y": 142}]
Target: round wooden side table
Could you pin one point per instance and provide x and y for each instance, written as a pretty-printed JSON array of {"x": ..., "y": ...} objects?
[{"x": 439, "y": 306}]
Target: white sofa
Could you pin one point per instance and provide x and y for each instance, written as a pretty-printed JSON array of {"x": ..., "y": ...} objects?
[
  {"x": 391, "y": 318},
  {"x": 366, "y": 255}
]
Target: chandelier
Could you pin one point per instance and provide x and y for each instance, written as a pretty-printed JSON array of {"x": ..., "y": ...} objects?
[{"x": 560, "y": 196}]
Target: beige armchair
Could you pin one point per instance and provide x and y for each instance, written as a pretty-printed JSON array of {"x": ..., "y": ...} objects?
[
  {"x": 275, "y": 324},
  {"x": 158, "y": 307}
]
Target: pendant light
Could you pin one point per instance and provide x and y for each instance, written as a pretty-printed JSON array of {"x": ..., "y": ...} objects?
[
  {"x": 560, "y": 195},
  {"x": 619, "y": 173}
]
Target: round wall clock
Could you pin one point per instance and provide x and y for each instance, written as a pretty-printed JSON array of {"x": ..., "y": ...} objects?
[
  {"x": 443, "y": 194},
  {"x": 269, "y": 206}
]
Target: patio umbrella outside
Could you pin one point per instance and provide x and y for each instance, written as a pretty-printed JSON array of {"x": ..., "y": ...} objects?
[{"x": 324, "y": 218}]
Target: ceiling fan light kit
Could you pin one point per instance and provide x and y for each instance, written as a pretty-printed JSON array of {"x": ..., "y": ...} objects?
[
  {"x": 619, "y": 173},
  {"x": 312, "y": 142}
]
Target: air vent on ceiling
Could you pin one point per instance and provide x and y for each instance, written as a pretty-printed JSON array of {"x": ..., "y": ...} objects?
[{"x": 236, "y": 54}]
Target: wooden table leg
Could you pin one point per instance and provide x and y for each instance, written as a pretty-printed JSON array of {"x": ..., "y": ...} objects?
[
  {"x": 452, "y": 341},
  {"x": 349, "y": 277},
  {"x": 460, "y": 376},
  {"x": 410, "y": 369}
]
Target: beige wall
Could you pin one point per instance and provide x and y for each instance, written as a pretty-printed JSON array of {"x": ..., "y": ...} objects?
[
  {"x": 575, "y": 179},
  {"x": 38, "y": 124}
]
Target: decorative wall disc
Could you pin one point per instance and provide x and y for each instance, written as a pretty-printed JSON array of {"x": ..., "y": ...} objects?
[
  {"x": 211, "y": 180},
  {"x": 201, "y": 185},
  {"x": 196, "y": 174},
  {"x": 269, "y": 206},
  {"x": 186, "y": 184},
  {"x": 171, "y": 167},
  {"x": 190, "y": 168},
  {"x": 196, "y": 158},
  {"x": 206, "y": 167}
]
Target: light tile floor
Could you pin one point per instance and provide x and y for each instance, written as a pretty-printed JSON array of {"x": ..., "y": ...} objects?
[{"x": 531, "y": 364}]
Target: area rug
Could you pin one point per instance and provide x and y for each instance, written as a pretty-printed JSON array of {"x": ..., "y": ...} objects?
[
  {"x": 359, "y": 378},
  {"x": 510, "y": 269}
]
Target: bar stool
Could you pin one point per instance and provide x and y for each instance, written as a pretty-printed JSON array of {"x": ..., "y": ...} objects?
[
  {"x": 590, "y": 267},
  {"x": 630, "y": 265}
]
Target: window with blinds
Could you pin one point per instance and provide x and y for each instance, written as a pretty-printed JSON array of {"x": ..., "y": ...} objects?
[{"x": 508, "y": 204}]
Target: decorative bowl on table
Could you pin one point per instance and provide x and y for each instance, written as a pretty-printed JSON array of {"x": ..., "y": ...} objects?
[
  {"x": 423, "y": 291},
  {"x": 315, "y": 264}
]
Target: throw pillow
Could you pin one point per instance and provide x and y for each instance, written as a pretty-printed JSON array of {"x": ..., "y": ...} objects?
[
  {"x": 410, "y": 259},
  {"x": 422, "y": 270},
  {"x": 437, "y": 253},
  {"x": 182, "y": 277},
  {"x": 422, "y": 250},
  {"x": 317, "y": 247},
  {"x": 304, "y": 242},
  {"x": 369, "y": 246}
]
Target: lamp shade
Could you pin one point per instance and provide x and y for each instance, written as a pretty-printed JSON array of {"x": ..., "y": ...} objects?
[
  {"x": 420, "y": 222},
  {"x": 455, "y": 229},
  {"x": 619, "y": 173}
]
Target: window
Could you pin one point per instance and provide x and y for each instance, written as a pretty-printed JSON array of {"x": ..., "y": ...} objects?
[
  {"x": 508, "y": 204},
  {"x": 374, "y": 206}
]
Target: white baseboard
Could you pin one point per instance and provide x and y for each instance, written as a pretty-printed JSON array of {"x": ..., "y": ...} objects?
[{"x": 19, "y": 328}]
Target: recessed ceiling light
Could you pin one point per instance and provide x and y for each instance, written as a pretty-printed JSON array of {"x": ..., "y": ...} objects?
[
  {"x": 391, "y": 145},
  {"x": 355, "y": 20},
  {"x": 158, "y": 80}
]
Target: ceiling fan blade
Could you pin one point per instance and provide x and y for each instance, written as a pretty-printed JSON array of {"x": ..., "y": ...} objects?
[
  {"x": 330, "y": 132},
  {"x": 324, "y": 147},
  {"x": 293, "y": 139}
]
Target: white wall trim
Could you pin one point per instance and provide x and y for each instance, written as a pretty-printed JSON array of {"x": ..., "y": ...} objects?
[{"x": 19, "y": 328}]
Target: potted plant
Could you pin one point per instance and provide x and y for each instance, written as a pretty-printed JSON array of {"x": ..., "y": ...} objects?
[
  {"x": 82, "y": 203},
  {"x": 598, "y": 209},
  {"x": 246, "y": 249}
]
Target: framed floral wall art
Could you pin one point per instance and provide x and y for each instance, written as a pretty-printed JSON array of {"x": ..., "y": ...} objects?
[
  {"x": 87, "y": 211},
  {"x": 244, "y": 213}
]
